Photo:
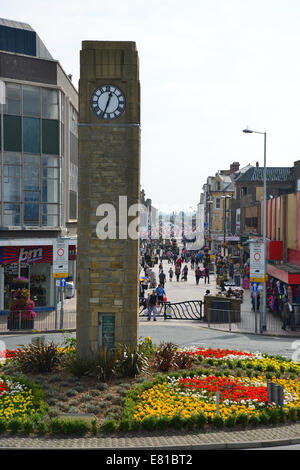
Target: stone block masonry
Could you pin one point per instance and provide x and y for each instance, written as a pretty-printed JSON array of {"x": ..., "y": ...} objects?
[{"x": 109, "y": 167}]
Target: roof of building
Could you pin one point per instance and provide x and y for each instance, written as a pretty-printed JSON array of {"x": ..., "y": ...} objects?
[
  {"x": 21, "y": 38},
  {"x": 273, "y": 174},
  {"x": 15, "y": 24}
]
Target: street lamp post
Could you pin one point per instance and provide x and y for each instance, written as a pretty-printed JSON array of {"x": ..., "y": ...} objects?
[
  {"x": 264, "y": 296},
  {"x": 209, "y": 221},
  {"x": 224, "y": 232}
]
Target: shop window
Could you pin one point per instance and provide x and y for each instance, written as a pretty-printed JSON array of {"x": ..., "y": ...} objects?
[
  {"x": 11, "y": 215},
  {"x": 49, "y": 104},
  {"x": 50, "y": 215},
  {"x": 50, "y": 137},
  {"x": 31, "y": 135},
  {"x": 31, "y": 101},
  {"x": 12, "y": 133},
  {"x": 13, "y": 99},
  {"x": 50, "y": 190},
  {"x": 31, "y": 214}
]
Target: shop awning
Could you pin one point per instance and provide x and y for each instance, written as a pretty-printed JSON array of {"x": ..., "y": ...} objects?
[{"x": 288, "y": 273}]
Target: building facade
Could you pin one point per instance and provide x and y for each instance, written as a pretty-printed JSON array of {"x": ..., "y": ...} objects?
[{"x": 38, "y": 162}]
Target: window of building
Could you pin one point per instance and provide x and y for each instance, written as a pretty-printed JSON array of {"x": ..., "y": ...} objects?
[
  {"x": 50, "y": 136},
  {"x": 49, "y": 103},
  {"x": 218, "y": 203},
  {"x": 13, "y": 99},
  {"x": 12, "y": 133},
  {"x": 31, "y": 135},
  {"x": 31, "y": 101},
  {"x": 31, "y": 149}
]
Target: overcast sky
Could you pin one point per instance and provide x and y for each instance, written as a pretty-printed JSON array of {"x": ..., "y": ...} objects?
[{"x": 208, "y": 69}]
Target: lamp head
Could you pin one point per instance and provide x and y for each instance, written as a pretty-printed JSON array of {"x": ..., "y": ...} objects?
[{"x": 247, "y": 131}]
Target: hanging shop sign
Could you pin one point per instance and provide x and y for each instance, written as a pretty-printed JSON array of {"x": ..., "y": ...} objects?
[{"x": 26, "y": 254}]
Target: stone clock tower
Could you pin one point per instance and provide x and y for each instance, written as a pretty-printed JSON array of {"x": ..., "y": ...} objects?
[{"x": 108, "y": 189}]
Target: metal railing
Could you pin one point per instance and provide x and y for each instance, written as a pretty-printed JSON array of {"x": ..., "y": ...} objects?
[
  {"x": 188, "y": 310},
  {"x": 46, "y": 320}
]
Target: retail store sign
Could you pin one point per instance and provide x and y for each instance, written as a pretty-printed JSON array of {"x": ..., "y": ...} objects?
[
  {"x": 60, "y": 258},
  {"x": 257, "y": 262}
]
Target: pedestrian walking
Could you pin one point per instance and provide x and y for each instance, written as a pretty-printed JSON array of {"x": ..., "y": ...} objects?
[
  {"x": 152, "y": 305},
  {"x": 288, "y": 315},
  {"x": 177, "y": 271},
  {"x": 185, "y": 273},
  {"x": 198, "y": 274},
  {"x": 206, "y": 274},
  {"x": 171, "y": 273},
  {"x": 160, "y": 291},
  {"x": 162, "y": 278}
]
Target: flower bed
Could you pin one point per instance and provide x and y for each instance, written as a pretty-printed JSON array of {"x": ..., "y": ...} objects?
[
  {"x": 189, "y": 397},
  {"x": 17, "y": 399}
]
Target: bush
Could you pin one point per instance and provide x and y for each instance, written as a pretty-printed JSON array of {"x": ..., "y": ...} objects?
[
  {"x": 109, "y": 425},
  {"x": 132, "y": 361},
  {"x": 165, "y": 357},
  {"x": 107, "y": 362},
  {"x": 38, "y": 357},
  {"x": 63, "y": 426},
  {"x": 183, "y": 361},
  {"x": 230, "y": 421},
  {"x": 78, "y": 366},
  {"x": 242, "y": 419},
  {"x": 149, "y": 423},
  {"x": 218, "y": 421},
  {"x": 293, "y": 414}
]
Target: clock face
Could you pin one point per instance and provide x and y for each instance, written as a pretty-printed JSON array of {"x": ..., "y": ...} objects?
[{"x": 108, "y": 102}]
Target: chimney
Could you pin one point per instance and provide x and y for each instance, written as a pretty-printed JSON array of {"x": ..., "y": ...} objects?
[{"x": 234, "y": 167}]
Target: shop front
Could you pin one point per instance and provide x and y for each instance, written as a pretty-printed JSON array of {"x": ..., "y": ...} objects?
[{"x": 31, "y": 267}]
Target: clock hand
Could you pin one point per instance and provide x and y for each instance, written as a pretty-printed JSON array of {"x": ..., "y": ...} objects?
[{"x": 108, "y": 101}]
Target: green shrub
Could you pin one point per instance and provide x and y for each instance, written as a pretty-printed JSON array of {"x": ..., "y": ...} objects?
[
  {"x": 79, "y": 366},
  {"x": 14, "y": 425},
  {"x": 125, "y": 424},
  {"x": 230, "y": 421},
  {"x": 292, "y": 414},
  {"x": 28, "y": 426},
  {"x": 218, "y": 421},
  {"x": 264, "y": 417},
  {"x": 3, "y": 425},
  {"x": 177, "y": 421},
  {"x": 107, "y": 362},
  {"x": 132, "y": 361},
  {"x": 163, "y": 422},
  {"x": 149, "y": 423},
  {"x": 76, "y": 427},
  {"x": 109, "y": 425},
  {"x": 94, "y": 428},
  {"x": 39, "y": 357},
  {"x": 254, "y": 420},
  {"x": 242, "y": 419},
  {"x": 201, "y": 420}
]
